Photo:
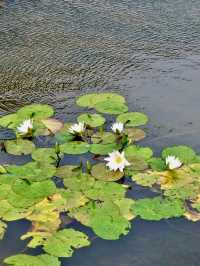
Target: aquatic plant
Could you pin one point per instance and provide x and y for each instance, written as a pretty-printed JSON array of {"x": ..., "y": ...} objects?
[{"x": 44, "y": 190}]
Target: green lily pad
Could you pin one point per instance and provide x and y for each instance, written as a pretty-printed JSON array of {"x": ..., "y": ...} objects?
[
  {"x": 157, "y": 208},
  {"x": 101, "y": 172},
  {"x": 93, "y": 120},
  {"x": 90, "y": 100},
  {"x": 185, "y": 154},
  {"x": 74, "y": 199},
  {"x": 136, "y": 151},
  {"x": 19, "y": 147},
  {"x": 157, "y": 164},
  {"x": 9, "y": 121},
  {"x": 125, "y": 206},
  {"x": 111, "y": 107},
  {"x": 68, "y": 171},
  {"x": 133, "y": 119},
  {"x": 27, "y": 260},
  {"x": 75, "y": 147},
  {"x": 47, "y": 155},
  {"x": 80, "y": 182},
  {"x": 145, "y": 179},
  {"x": 33, "y": 171},
  {"x": 62, "y": 243},
  {"x": 103, "y": 138},
  {"x": 103, "y": 149},
  {"x": 3, "y": 227},
  {"x": 105, "y": 190},
  {"x": 36, "y": 111}
]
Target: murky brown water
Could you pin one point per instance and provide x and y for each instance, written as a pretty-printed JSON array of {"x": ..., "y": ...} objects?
[{"x": 148, "y": 50}]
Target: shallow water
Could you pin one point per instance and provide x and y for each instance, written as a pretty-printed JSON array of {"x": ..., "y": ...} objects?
[{"x": 149, "y": 51}]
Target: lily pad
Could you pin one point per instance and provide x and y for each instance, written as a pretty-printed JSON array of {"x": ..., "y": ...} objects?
[
  {"x": 133, "y": 119},
  {"x": 62, "y": 243},
  {"x": 125, "y": 206},
  {"x": 145, "y": 179},
  {"x": 111, "y": 107},
  {"x": 53, "y": 125},
  {"x": 27, "y": 260},
  {"x": 80, "y": 182},
  {"x": 75, "y": 147},
  {"x": 135, "y": 134},
  {"x": 103, "y": 149},
  {"x": 157, "y": 164},
  {"x": 90, "y": 100},
  {"x": 101, "y": 172},
  {"x": 103, "y": 191},
  {"x": 157, "y": 208},
  {"x": 3, "y": 227},
  {"x": 36, "y": 111},
  {"x": 9, "y": 121},
  {"x": 19, "y": 147},
  {"x": 47, "y": 155},
  {"x": 92, "y": 120},
  {"x": 103, "y": 138},
  {"x": 68, "y": 171},
  {"x": 185, "y": 154},
  {"x": 136, "y": 151}
]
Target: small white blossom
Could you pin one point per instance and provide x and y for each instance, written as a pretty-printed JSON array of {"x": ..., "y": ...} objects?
[
  {"x": 117, "y": 127},
  {"x": 25, "y": 127},
  {"x": 173, "y": 162},
  {"x": 116, "y": 160},
  {"x": 77, "y": 128}
]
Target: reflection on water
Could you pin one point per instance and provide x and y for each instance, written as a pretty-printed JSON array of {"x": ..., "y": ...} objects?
[{"x": 53, "y": 50}]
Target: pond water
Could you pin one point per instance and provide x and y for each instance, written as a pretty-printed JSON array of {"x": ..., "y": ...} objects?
[{"x": 147, "y": 50}]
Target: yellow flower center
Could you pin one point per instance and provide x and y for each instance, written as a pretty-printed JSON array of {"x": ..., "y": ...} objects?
[{"x": 118, "y": 159}]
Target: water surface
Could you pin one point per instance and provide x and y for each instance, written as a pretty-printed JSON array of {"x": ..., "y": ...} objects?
[{"x": 147, "y": 50}]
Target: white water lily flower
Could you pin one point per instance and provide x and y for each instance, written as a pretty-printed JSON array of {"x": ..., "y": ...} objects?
[
  {"x": 116, "y": 160},
  {"x": 77, "y": 128},
  {"x": 117, "y": 127},
  {"x": 173, "y": 162},
  {"x": 25, "y": 127}
]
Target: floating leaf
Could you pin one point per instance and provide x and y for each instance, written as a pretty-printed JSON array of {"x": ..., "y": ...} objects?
[
  {"x": 135, "y": 134},
  {"x": 133, "y": 119},
  {"x": 27, "y": 260},
  {"x": 80, "y": 182},
  {"x": 3, "y": 227},
  {"x": 52, "y": 125},
  {"x": 47, "y": 155},
  {"x": 62, "y": 243},
  {"x": 104, "y": 191},
  {"x": 93, "y": 120},
  {"x": 90, "y": 100},
  {"x": 74, "y": 199},
  {"x": 101, "y": 172},
  {"x": 157, "y": 164},
  {"x": 19, "y": 146},
  {"x": 136, "y": 151},
  {"x": 75, "y": 147},
  {"x": 111, "y": 107},
  {"x": 33, "y": 171},
  {"x": 68, "y": 171},
  {"x": 9, "y": 121},
  {"x": 103, "y": 149},
  {"x": 103, "y": 138},
  {"x": 2, "y": 170},
  {"x": 185, "y": 154},
  {"x": 36, "y": 111},
  {"x": 145, "y": 179},
  {"x": 125, "y": 206},
  {"x": 157, "y": 208}
]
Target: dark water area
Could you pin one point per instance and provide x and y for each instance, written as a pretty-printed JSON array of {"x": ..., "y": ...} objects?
[{"x": 147, "y": 50}]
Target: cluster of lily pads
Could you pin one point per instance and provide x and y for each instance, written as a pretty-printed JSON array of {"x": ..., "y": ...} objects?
[{"x": 94, "y": 191}]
